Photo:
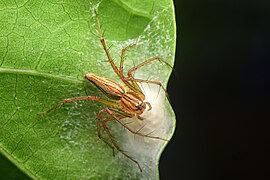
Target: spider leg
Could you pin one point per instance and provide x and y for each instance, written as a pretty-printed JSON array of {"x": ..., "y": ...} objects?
[
  {"x": 135, "y": 80},
  {"x": 104, "y": 120},
  {"x": 130, "y": 77},
  {"x": 112, "y": 111},
  {"x": 85, "y": 98},
  {"x": 130, "y": 84},
  {"x": 116, "y": 70},
  {"x": 99, "y": 132},
  {"x": 122, "y": 57}
]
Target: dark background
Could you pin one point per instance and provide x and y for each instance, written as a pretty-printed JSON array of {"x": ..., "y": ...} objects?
[{"x": 220, "y": 91}]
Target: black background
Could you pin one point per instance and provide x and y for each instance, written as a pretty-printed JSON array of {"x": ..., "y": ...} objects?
[{"x": 220, "y": 91}]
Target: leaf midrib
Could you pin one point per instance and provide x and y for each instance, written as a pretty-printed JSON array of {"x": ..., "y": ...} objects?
[{"x": 40, "y": 74}]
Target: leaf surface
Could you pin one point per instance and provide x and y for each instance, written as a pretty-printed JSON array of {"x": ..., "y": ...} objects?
[{"x": 46, "y": 48}]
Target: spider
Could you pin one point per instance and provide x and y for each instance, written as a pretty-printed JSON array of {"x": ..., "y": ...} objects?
[{"x": 124, "y": 101}]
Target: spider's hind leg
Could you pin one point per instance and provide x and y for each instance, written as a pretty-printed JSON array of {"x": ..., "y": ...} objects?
[
  {"x": 104, "y": 125},
  {"x": 98, "y": 129}
]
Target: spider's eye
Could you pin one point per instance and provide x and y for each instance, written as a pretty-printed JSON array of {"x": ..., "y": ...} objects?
[{"x": 139, "y": 107}]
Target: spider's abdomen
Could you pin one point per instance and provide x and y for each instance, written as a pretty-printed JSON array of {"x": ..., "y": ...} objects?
[{"x": 110, "y": 88}]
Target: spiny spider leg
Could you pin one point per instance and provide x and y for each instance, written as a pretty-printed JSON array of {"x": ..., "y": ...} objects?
[
  {"x": 104, "y": 120},
  {"x": 116, "y": 70},
  {"x": 151, "y": 82},
  {"x": 122, "y": 58},
  {"x": 112, "y": 110},
  {"x": 134, "y": 85},
  {"x": 99, "y": 132},
  {"x": 85, "y": 98},
  {"x": 133, "y": 69},
  {"x": 132, "y": 79},
  {"x": 154, "y": 82},
  {"x": 141, "y": 65}
]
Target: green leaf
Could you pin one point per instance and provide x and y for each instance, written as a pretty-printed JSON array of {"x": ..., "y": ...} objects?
[{"x": 45, "y": 49}]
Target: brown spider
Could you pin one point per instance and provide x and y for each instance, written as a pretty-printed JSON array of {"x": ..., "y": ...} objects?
[{"x": 127, "y": 101}]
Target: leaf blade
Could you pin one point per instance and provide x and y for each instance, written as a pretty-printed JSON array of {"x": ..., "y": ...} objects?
[{"x": 36, "y": 73}]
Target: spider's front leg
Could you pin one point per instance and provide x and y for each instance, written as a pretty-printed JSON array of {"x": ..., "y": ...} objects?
[
  {"x": 133, "y": 69},
  {"x": 81, "y": 98},
  {"x": 130, "y": 77},
  {"x": 122, "y": 58},
  {"x": 102, "y": 40}
]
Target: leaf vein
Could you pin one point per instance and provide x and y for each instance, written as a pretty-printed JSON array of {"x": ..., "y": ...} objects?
[{"x": 70, "y": 79}]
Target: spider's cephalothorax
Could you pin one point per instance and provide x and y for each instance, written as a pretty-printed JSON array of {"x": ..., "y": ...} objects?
[{"x": 133, "y": 103}]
